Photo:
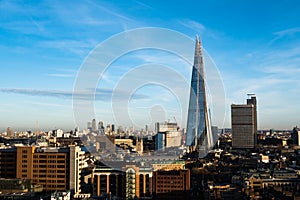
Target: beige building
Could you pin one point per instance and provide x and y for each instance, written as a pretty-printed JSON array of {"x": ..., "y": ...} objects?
[
  {"x": 56, "y": 169},
  {"x": 172, "y": 134}
]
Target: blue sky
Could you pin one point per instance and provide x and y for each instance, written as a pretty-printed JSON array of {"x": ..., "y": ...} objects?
[{"x": 255, "y": 45}]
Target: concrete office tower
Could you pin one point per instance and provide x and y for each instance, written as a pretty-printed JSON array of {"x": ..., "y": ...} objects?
[
  {"x": 94, "y": 125},
  {"x": 244, "y": 124},
  {"x": 199, "y": 133}
]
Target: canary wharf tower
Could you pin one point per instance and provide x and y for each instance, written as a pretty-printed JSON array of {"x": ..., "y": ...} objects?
[{"x": 199, "y": 131}]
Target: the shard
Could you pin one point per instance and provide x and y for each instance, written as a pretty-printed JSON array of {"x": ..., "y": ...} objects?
[{"x": 199, "y": 131}]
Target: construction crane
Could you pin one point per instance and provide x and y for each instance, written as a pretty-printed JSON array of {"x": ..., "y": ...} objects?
[{"x": 176, "y": 122}]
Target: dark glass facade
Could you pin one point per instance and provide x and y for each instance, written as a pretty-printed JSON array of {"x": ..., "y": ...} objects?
[{"x": 199, "y": 133}]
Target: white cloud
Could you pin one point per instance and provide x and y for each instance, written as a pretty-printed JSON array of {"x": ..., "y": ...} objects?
[
  {"x": 191, "y": 24},
  {"x": 287, "y": 32}
]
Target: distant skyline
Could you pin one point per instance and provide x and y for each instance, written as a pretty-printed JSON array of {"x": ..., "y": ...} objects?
[{"x": 254, "y": 44}]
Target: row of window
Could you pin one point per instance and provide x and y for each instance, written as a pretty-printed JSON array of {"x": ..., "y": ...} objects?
[
  {"x": 49, "y": 156},
  {"x": 166, "y": 187},
  {"x": 49, "y": 171},
  {"x": 48, "y": 176},
  {"x": 166, "y": 190},
  {"x": 168, "y": 177},
  {"x": 169, "y": 182},
  {"x": 49, "y": 161},
  {"x": 48, "y": 166}
]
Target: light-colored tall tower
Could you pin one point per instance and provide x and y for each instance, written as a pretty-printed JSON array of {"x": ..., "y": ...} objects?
[
  {"x": 244, "y": 124},
  {"x": 94, "y": 125},
  {"x": 10, "y": 132},
  {"x": 199, "y": 132},
  {"x": 77, "y": 163}
]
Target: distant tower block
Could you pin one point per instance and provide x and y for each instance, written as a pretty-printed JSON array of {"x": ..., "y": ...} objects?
[
  {"x": 199, "y": 132},
  {"x": 244, "y": 123},
  {"x": 10, "y": 132},
  {"x": 94, "y": 125}
]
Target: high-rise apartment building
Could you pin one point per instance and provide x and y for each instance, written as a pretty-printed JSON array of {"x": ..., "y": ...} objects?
[
  {"x": 244, "y": 124},
  {"x": 199, "y": 133}
]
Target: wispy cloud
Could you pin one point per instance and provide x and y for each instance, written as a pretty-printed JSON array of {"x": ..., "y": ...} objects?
[
  {"x": 100, "y": 94},
  {"x": 143, "y": 4},
  {"x": 90, "y": 13},
  {"x": 284, "y": 33},
  {"x": 281, "y": 70},
  {"x": 35, "y": 92},
  {"x": 287, "y": 32},
  {"x": 191, "y": 24},
  {"x": 199, "y": 28},
  {"x": 110, "y": 11},
  {"x": 62, "y": 73},
  {"x": 77, "y": 47}
]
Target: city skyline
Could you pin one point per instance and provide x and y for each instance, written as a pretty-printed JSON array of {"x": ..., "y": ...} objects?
[{"x": 44, "y": 45}]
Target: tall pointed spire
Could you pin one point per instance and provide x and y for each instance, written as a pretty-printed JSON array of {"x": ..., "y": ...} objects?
[{"x": 199, "y": 133}]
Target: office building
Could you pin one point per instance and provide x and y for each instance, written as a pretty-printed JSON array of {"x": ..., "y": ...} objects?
[
  {"x": 199, "y": 133},
  {"x": 108, "y": 181},
  {"x": 160, "y": 141},
  {"x": 168, "y": 135},
  {"x": 101, "y": 127},
  {"x": 94, "y": 125},
  {"x": 171, "y": 184},
  {"x": 296, "y": 136},
  {"x": 132, "y": 182},
  {"x": 138, "y": 181},
  {"x": 8, "y": 163},
  {"x": 244, "y": 124},
  {"x": 56, "y": 169}
]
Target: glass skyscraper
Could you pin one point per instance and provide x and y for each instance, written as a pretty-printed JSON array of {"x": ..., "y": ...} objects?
[{"x": 199, "y": 132}]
